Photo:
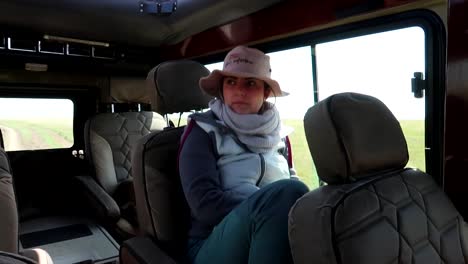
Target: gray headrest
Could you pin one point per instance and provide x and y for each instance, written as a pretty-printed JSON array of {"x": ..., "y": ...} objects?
[
  {"x": 352, "y": 136},
  {"x": 176, "y": 85},
  {"x": 129, "y": 90}
]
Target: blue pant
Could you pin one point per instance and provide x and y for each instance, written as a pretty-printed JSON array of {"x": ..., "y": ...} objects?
[{"x": 254, "y": 232}]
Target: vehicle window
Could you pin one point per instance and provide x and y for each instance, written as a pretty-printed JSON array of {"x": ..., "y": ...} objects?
[
  {"x": 32, "y": 123},
  {"x": 292, "y": 69},
  {"x": 380, "y": 65}
]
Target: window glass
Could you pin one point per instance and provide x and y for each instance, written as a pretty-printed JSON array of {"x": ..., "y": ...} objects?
[
  {"x": 32, "y": 123},
  {"x": 293, "y": 70},
  {"x": 380, "y": 65}
]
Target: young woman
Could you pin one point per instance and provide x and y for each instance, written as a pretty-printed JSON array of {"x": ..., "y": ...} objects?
[{"x": 235, "y": 179}]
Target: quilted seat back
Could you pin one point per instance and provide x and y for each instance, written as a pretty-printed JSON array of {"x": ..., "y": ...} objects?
[
  {"x": 373, "y": 210},
  {"x": 110, "y": 137}
]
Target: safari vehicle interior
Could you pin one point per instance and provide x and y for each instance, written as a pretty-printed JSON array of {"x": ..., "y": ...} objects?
[{"x": 82, "y": 99}]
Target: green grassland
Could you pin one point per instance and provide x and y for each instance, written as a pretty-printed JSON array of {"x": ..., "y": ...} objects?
[
  {"x": 414, "y": 134},
  {"x": 413, "y": 130},
  {"x": 44, "y": 130}
]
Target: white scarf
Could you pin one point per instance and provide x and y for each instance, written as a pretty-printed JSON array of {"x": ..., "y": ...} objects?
[{"x": 259, "y": 132}]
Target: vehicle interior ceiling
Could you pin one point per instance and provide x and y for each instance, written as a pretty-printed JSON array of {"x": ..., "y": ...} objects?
[
  {"x": 100, "y": 43},
  {"x": 76, "y": 50}
]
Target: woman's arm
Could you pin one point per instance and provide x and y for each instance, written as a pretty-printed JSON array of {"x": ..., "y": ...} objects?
[{"x": 200, "y": 179}]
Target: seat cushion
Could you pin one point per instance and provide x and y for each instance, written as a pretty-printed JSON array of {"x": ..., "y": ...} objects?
[
  {"x": 401, "y": 217},
  {"x": 373, "y": 210},
  {"x": 162, "y": 210},
  {"x": 9, "y": 258},
  {"x": 109, "y": 138},
  {"x": 8, "y": 211}
]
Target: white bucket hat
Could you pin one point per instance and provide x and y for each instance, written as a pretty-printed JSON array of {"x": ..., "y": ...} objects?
[{"x": 242, "y": 62}]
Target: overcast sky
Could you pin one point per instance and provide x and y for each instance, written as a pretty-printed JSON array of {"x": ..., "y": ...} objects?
[{"x": 380, "y": 65}]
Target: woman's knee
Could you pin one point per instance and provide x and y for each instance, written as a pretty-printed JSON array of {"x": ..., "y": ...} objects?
[
  {"x": 291, "y": 187},
  {"x": 284, "y": 193}
]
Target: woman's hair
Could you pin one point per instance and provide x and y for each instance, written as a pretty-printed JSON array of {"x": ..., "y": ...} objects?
[
  {"x": 220, "y": 90},
  {"x": 265, "y": 106},
  {"x": 268, "y": 87}
]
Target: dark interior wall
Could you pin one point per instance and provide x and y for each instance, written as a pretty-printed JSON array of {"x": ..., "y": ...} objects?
[
  {"x": 292, "y": 17},
  {"x": 43, "y": 178},
  {"x": 121, "y": 21},
  {"x": 456, "y": 137}
]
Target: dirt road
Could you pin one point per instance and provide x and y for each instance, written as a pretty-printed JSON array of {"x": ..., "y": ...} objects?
[
  {"x": 12, "y": 139},
  {"x": 33, "y": 138}
]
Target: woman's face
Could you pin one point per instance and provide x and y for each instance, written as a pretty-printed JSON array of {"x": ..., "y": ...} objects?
[{"x": 244, "y": 95}]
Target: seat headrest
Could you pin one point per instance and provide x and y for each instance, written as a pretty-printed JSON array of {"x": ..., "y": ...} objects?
[
  {"x": 353, "y": 136},
  {"x": 176, "y": 85}
]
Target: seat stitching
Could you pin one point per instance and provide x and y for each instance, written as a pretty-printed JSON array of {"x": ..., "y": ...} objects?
[
  {"x": 405, "y": 202},
  {"x": 123, "y": 127},
  {"x": 428, "y": 219},
  {"x": 381, "y": 207}
]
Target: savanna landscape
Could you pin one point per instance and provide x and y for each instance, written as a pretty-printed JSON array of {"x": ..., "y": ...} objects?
[
  {"x": 37, "y": 134},
  {"x": 57, "y": 133}
]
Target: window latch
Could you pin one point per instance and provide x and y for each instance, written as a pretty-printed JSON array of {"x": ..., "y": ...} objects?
[{"x": 418, "y": 84}]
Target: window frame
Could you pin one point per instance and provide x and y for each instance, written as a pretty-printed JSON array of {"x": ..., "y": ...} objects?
[
  {"x": 435, "y": 45},
  {"x": 34, "y": 126},
  {"x": 80, "y": 96}
]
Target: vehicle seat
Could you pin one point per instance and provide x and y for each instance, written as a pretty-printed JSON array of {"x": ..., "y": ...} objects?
[
  {"x": 373, "y": 210},
  {"x": 163, "y": 213},
  {"x": 109, "y": 138},
  {"x": 9, "y": 220}
]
